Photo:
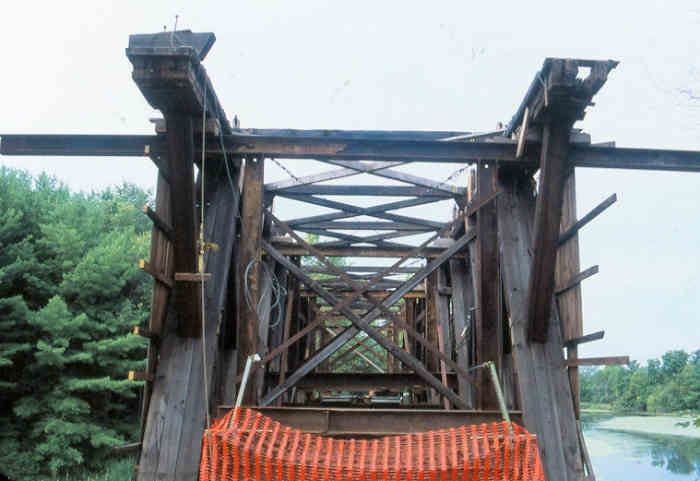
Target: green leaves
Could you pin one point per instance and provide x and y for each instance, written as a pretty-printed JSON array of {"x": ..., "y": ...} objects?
[
  {"x": 70, "y": 293},
  {"x": 666, "y": 385}
]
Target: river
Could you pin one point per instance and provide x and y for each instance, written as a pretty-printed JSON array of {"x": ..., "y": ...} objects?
[{"x": 633, "y": 448}]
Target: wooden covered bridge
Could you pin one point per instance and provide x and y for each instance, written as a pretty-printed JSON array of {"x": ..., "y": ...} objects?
[{"x": 423, "y": 304}]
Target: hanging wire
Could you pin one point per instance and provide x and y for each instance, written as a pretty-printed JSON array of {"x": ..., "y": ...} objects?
[{"x": 276, "y": 290}]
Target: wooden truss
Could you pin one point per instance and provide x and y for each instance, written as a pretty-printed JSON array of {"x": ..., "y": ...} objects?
[{"x": 500, "y": 282}]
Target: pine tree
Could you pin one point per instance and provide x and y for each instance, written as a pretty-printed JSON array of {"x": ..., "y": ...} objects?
[{"x": 70, "y": 293}]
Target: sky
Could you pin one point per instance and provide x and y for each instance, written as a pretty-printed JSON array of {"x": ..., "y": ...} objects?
[{"x": 406, "y": 65}]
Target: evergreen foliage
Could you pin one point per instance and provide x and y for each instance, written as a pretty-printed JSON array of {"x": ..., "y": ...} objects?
[
  {"x": 70, "y": 294},
  {"x": 666, "y": 385}
]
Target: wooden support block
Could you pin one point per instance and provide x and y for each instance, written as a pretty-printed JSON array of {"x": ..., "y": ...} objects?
[
  {"x": 192, "y": 276},
  {"x": 576, "y": 280},
  {"x": 127, "y": 448},
  {"x": 146, "y": 267},
  {"x": 599, "y": 361},
  {"x": 583, "y": 339},
  {"x": 158, "y": 221},
  {"x": 144, "y": 332},
  {"x": 139, "y": 376}
]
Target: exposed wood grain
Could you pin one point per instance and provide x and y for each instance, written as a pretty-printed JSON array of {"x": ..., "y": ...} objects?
[
  {"x": 158, "y": 221},
  {"x": 489, "y": 322},
  {"x": 146, "y": 267},
  {"x": 568, "y": 278},
  {"x": 598, "y": 361},
  {"x": 553, "y": 169},
  {"x": 250, "y": 255},
  {"x": 544, "y": 386},
  {"x": 576, "y": 226},
  {"x": 594, "y": 336},
  {"x": 181, "y": 157},
  {"x": 576, "y": 280},
  {"x": 462, "y": 302}
]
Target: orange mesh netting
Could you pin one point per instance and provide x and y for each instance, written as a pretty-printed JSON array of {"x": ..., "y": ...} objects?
[{"x": 244, "y": 445}]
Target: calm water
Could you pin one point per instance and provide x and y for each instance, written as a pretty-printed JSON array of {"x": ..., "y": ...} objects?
[{"x": 627, "y": 456}]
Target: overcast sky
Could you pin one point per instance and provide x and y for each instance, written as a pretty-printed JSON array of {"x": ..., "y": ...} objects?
[{"x": 406, "y": 65}]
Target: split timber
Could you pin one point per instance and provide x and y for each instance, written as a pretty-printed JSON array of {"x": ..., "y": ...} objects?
[{"x": 499, "y": 283}]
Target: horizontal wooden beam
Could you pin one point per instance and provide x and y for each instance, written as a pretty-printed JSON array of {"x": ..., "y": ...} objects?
[
  {"x": 576, "y": 280},
  {"x": 144, "y": 332},
  {"x": 139, "y": 376},
  {"x": 145, "y": 145},
  {"x": 82, "y": 145},
  {"x": 364, "y": 190},
  {"x": 375, "y": 422},
  {"x": 595, "y": 212},
  {"x": 370, "y": 225},
  {"x": 599, "y": 361},
  {"x": 359, "y": 381},
  {"x": 192, "y": 276},
  {"x": 583, "y": 339},
  {"x": 291, "y": 249},
  {"x": 358, "y": 268},
  {"x": 369, "y": 149}
]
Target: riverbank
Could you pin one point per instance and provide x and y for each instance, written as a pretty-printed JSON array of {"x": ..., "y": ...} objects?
[{"x": 655, "y": 424}]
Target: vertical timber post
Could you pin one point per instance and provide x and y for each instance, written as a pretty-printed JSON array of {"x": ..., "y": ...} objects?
[
  {"x": 181, "y": 171},
  {"x": 569, "y": 302},
  {"x": 250, "y": 259},
  {"x": 489, "y": 328}
]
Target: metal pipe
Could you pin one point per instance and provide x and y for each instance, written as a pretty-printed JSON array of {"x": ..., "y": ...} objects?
[
  {"x": 499, "y": 395},
  {"x": 253, "y": 358}
]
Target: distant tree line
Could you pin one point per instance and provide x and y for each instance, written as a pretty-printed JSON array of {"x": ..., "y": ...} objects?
[
  {"x": 668, "y": 384},
  {"x": 70, "y": 294}
]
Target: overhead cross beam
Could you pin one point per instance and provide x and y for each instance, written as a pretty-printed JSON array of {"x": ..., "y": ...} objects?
[
  {"x": 370, "y": 167},
  {"x": 80, "y": 145},
  {"x": 349, "y": 210}
]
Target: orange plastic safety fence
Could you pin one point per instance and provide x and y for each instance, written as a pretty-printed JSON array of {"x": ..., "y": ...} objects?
[{"x": 244, "y": 445}]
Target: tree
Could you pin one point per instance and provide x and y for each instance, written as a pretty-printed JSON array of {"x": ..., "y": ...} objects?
[{"x": 70, "y": 293}]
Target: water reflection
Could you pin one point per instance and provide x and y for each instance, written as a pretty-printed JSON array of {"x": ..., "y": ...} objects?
[{"x": 622, "y": 456}]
